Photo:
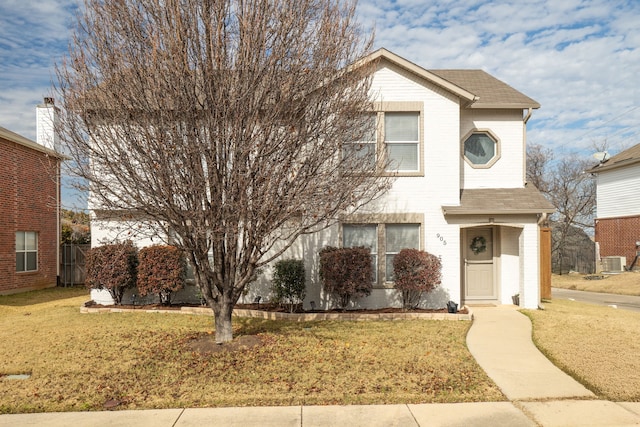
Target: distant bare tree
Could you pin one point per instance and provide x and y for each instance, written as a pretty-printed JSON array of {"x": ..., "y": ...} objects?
[
  {"x": 539, "y": 160},
  {"x": 222, "y": 123},
  {"x": 573, "y": 193},
  {"x": 567, "y": 186}
]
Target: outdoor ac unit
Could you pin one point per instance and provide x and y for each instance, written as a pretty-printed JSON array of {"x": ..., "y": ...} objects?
[{"x": 613, "y": 263}]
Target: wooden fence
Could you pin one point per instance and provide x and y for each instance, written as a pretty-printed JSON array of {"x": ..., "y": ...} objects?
[{"x": 72, "y": 264}]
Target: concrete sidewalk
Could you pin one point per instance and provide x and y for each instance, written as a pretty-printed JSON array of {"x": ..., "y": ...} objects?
[{"x": 500, "y": 340}]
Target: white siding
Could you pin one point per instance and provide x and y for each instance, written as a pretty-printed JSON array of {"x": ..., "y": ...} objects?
[
  {"x": 617, "y": 191},
  {"x": 507, "y": 172}
]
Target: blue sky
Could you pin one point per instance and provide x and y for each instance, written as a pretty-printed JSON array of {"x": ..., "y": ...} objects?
[{"x": 580, "y": 59}]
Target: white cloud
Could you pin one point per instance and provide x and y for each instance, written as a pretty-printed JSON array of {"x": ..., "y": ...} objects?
[{"x": 578, "y": 58}]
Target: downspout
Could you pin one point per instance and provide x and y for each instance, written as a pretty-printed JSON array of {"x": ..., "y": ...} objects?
[
  {"x": 58, "y": 201},
  {"x": 524, "y": 144}
]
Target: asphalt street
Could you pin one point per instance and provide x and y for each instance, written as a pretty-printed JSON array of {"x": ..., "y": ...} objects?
[{"x": 624, "y": 302}]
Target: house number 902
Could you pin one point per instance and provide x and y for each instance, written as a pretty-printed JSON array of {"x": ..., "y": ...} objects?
[{"x": 441, "y": 238}]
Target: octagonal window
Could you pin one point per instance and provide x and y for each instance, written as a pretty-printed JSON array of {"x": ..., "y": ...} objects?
[{"x": 481, "y": 149}]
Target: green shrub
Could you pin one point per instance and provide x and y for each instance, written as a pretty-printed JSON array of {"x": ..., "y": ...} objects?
[
  {"x": 416, "y": 272},
  {"x": 112, "y": 267},
  {"x": 288, "y": 285},
  {"x": 162, "y": 271},
  {"x": 346, "y": 273}
]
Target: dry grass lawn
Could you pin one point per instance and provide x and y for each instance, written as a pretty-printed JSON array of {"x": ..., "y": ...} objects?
[
  {"x": 627, "y": 283},
  {"x": 143, "y": 360},
  {"x": 597, "y": 345}
]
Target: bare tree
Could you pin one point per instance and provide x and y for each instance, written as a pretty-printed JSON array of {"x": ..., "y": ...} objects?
[
  {"x": 573, "y": 193},
  {"x": 567, "y": 186},
  {"x": 223, "y": 123},
  {"x": 539, "y": 160}
]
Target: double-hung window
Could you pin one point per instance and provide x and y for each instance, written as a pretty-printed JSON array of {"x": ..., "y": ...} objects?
[
  {"x": 402, "y": 140},
  {"x": 385, "y": 242},
  {"x": 26, "y": 251},
  {"x": 355, "y": 235},
  {"x": 398, "y": 237},
  {"x": 393, "y": 135},
  {"x": 362, "y": 151}
]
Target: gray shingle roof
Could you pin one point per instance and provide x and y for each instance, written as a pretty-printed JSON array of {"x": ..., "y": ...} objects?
[
  {"x": 527, "y": 200},
  {"x": 492, "y": 93},
  {"x": 627, "y": 157}
]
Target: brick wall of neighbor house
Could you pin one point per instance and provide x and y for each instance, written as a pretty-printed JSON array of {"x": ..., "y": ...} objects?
[
  {"x": 618, "y": 236},
  {"x": 27, "y": 203}
]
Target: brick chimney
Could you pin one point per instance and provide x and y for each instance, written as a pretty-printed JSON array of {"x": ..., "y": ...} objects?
[{"x": 46, "y": 120}]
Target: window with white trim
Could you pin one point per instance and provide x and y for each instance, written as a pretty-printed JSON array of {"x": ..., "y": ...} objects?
[{"x": 26, "y": 251}]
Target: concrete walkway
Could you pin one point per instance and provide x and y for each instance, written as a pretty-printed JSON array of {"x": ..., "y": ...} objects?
[{"x": 500, "y": 340}]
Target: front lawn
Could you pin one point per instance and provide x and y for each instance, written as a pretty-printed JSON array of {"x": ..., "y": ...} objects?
[
  {"x": 597, "y": 345},
  {"x": 627, "y": 283},
  {"x": 144, "y": 360}
]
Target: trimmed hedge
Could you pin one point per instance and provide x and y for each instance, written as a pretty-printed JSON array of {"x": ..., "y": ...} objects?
[
  {"x": 162, "y": 270},
  {"x": 416, "y": 272},
  {"x": 346, "y": 273},
  {"x": 288, "y": 283},
  {"x": 112, "y": 267}
]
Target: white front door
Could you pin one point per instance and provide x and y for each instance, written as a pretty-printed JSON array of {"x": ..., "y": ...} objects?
[{"x": 479, "y": 264}]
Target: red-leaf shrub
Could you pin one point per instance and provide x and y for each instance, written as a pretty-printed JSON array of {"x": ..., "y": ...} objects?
[
  {"x": 346, "y": 273},
  {"x": 162, "y": 270},
  {"x": 416, "y": 272},
  {"x": 112, "y": 267}
]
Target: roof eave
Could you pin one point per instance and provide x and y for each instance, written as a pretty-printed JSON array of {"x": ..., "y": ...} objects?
[
  {"x": 604, "y": 167},
  {"x": 504, "y": 106},
  {"x": 25, "y": 142},
  {"x": 456, "y": 210}
]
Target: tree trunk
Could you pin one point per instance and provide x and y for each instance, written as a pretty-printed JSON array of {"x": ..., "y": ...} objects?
[{"x": 222, "y": 314}]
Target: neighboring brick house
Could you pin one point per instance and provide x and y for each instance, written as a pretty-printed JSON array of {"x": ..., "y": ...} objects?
[
  {"x": 458, "y": 139},
  {"x": 618, "y": 205},
  {"x": 29, "y": 225}
]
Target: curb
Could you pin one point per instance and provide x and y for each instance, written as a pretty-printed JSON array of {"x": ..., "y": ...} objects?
[{"x": 296, "y": 317}]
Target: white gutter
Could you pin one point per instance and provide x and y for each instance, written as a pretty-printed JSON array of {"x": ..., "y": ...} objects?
[
  {"x": 524, "y": 144},
  {"x": 58, "y": 222}
]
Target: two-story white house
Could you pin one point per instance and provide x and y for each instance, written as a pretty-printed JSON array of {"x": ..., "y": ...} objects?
[{"x": 457, "y": 144}]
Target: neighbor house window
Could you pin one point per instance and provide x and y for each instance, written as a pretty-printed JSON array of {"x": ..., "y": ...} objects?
[
  {"x": 386, "y": 240},
  {"x": 26, "y": 251},
  {"x": 481, "y": 148},
  {"x": 402, "y": 140}
]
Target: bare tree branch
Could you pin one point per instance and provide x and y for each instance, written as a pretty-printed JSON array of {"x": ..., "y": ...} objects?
[{"x": 222, "y": 122}]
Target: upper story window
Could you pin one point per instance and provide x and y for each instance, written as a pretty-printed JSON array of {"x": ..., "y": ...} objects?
[
  {"x": 481, "y": 148},
  {"x": 364, "y": 149},
  {"x": 402, "y": 140},
  {"x": 393, "y": 135},
  {"x": 26, "y": 251}
]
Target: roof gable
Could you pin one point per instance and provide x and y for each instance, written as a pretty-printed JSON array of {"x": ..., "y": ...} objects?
[{"x": 476, "y": 88}]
